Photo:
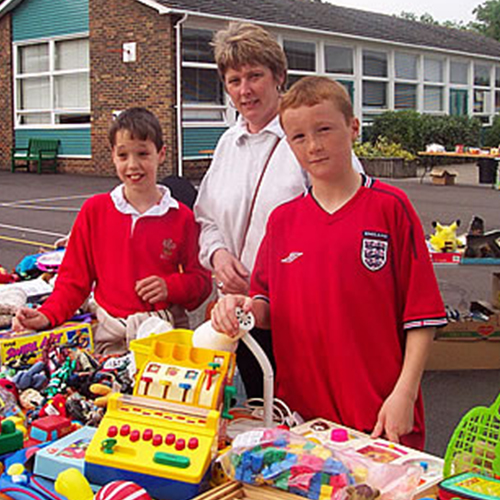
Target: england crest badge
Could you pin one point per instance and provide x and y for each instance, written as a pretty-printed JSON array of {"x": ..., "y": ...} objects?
[{"x": 374, "y": 250}]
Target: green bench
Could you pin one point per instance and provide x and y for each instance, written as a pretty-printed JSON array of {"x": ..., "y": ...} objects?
[{"x": 42, "y": 151}]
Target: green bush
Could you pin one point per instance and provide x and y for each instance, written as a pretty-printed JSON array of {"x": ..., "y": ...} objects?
[
  {"x": 492, "y": 134},
  {"x": 383, "y": 148},
  {"x": 414, "y": 130}
]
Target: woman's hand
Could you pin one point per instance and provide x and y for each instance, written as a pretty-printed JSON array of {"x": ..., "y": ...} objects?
[
  {"x": 396, "y": 417},
  {"x": 152, "y": 289},
  {"x": 230, "y": 273},
  {"x": 29, "y": 319},
  {"x": 223, "y": 314}
]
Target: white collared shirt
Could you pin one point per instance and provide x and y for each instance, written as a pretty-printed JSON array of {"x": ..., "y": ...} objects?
[{"x": 161, "y": 208}]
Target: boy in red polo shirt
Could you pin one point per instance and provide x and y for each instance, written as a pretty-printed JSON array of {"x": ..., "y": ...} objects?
[
  {"x": 137, "y": 247},
  {"x": 344, "y": 280}
]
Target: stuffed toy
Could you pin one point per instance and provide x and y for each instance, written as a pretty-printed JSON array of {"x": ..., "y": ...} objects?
[
  {"x": 445, "y": 238},
  {"x": 481, "y": 244}
]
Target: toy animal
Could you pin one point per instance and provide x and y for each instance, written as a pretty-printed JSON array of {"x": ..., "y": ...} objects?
[
  {"x": 481, "y": 244},
  {"x": 445, "y": 237}
]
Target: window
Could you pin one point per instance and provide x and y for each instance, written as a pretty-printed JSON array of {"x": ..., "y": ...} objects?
[
  {"x": 433, "y": 98},
  {"x": 201, "y": 85},
  {"x": 196, "y": 45},
  {"x": 497, "y": 76},
  {"x": 405, "y": 96},
  {"x": 374, "y": 63},
  {"x": 374, "y": 95},
  {"x": 405, "y": 66},
  {"x": 482, "y": 75},
  {"x": 339, "y": 60},
  {"x": 459, "y": 72},
  {"x": 52, "y": 82},
  {"x": 433, "y": 70},
  {"x": 497, "y": 101},
  {"x": 301, "y": 56},
  {"x": 202, "y": 91},
  {"x": 482, "y": 101}
]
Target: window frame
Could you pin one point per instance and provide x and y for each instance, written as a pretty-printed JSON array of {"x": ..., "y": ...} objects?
[
  {"x": 52, "y": 74},
  {"x": 226, "y": 112}
]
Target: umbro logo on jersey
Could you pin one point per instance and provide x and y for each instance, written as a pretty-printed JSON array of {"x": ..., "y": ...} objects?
[
  {"x": 293, "y": 256},
  {"x": 374, "y": 250}
]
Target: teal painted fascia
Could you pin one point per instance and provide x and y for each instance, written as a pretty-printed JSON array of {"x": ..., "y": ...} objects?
[
  {"x": 74, "y": 142},
  {"x": 34, "y": 19}
]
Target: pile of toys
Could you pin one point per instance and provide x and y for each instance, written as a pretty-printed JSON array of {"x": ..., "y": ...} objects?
[{"x": 290, "y": 462}]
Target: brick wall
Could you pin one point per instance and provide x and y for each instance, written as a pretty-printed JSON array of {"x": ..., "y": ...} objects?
[
  {"x": 115, "y": 85},
  {"x": 6, "y": 96},
  {"x": 194, "y": 170}
]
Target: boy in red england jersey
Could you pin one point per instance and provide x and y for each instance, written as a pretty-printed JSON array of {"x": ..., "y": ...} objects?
[
  {"x": 344, "y": 280},
  {"x": 137, "y": 246}
]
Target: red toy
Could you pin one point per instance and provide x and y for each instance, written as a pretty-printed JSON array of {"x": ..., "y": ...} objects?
[
  {"x": 48, "y": 429},
  {"x": 122, "y": 490}
]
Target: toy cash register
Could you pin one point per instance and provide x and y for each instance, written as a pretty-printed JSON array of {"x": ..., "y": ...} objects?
[{"x": 165, "y": 436}]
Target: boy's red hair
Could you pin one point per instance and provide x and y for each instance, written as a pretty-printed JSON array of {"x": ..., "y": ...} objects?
[{"x": 312, "y": 90}]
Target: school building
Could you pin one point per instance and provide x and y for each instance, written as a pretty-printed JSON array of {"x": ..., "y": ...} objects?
[{"x": 69, "y": 65}]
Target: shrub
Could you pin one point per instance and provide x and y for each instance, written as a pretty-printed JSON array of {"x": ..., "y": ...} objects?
[
  {"x": 383, "y": 148},
  {"x": 414, "y": 130},
  {"x": 492, "y": 134}
]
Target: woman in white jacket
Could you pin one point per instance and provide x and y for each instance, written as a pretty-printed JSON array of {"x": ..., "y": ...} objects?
[{"x": 252, "y": 172}]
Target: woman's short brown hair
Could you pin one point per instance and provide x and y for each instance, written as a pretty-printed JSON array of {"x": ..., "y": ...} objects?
[
  {"x": 312, "y": 90},
  {"x": 245, "y": 43}
]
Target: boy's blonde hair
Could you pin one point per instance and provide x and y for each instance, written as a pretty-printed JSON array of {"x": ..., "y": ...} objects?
[
  {"x": 246, "y": 43},
  {"x": 312, "y": 90}
]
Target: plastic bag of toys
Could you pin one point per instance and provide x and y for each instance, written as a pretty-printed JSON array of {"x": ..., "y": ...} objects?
[{"x": 290, "y": 462}]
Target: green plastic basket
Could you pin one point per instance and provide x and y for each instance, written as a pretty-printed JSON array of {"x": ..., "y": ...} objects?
[{"x": 475, "y": 444}]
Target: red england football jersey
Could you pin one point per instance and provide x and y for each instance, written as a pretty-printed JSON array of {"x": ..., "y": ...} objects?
[{"x": 343, "y": 288}]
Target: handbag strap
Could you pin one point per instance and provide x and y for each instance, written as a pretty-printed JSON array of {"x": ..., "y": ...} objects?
[{"x": 254, "y": 197}]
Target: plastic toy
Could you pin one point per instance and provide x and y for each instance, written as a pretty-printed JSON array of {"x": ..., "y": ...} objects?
[
  {"x": 475, "y": 443},
  {"x": 291, "y": 463},
  {"x": 122, "y": 490},
  {"x": 481, "y": 244},
  {"x": 72, "y": 485},
  {"x": 379, "y": 450},
  {"x": 445, "y": 237},
  {"x": 67, "y": 452},
  {"x": 469, "y": 486},
  {"x": 172, "y": 422},
  {"x": 13, "y": 345},
  {"x": 48, "y": 428},
  {"x": 11, "y": 439},
  {"x": 34, "y": 377}
]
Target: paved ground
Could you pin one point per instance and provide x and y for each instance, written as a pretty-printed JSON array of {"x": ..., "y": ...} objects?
[{"x": 37, "y": 209}]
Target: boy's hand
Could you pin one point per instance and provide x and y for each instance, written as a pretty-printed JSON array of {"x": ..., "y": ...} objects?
[
  {"x": 395, "y": 418},
  {"x": 230, "y": 274},
  {"x": 224, "y": 313},
  {"x": 29, "y": 319},
  {"x": 152, "y": 289}
]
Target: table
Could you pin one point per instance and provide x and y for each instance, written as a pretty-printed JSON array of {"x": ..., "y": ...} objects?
[{"x": 450, "y": 154}]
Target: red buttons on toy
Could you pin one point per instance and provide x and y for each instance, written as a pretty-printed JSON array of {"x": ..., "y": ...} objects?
[
  {"x": 193, "y": 443},
  {"x": 134, "y": 436},
  {"x": 157, "y": 439},
  {"x": 125, "y": 430},
  {"x": 112, "y": 431},
  {"x": 147, "y": 434},
  {"x": 180, "y": 444},
  {"x": 170, "y": 439}
]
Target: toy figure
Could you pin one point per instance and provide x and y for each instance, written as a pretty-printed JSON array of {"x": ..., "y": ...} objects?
[
  {"x": 481, "y": 244},
  {"x": 445, "y": 238}
]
